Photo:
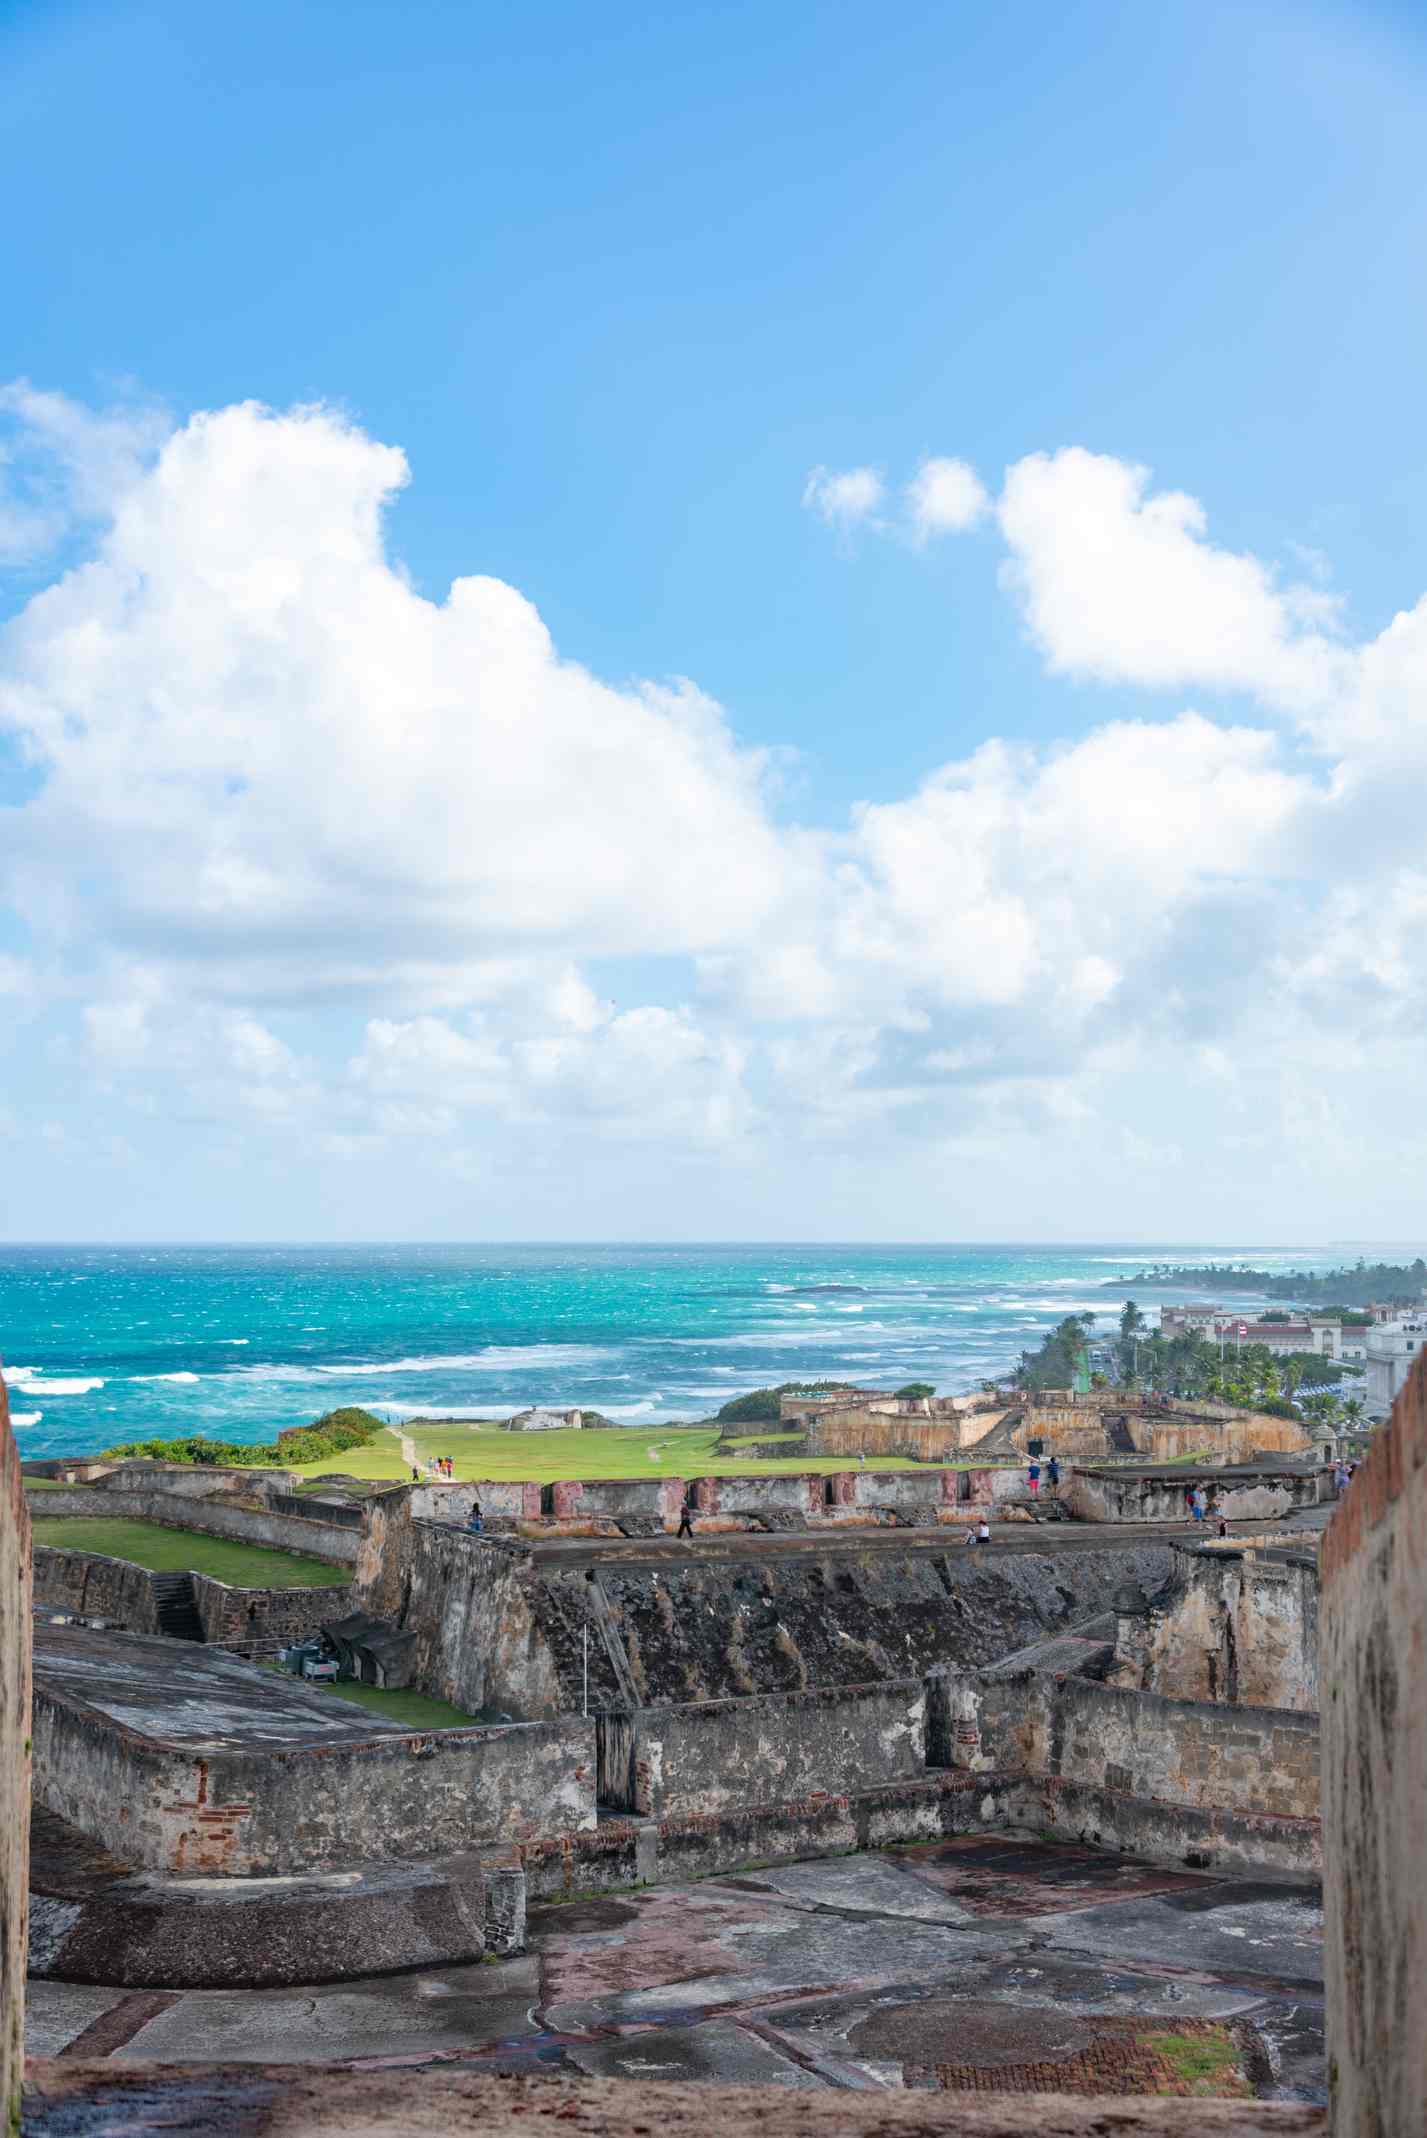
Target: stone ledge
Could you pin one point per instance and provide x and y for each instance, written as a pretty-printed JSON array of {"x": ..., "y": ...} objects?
[
  {"x": 95, "y": 1920},
  {"x": 100, "y": 2100}
]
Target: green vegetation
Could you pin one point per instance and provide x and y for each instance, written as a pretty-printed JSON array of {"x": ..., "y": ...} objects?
[
  {"x": 760, "y": 1405},
  {"x": 1206, "y": 2065},
  {"x": 43, "y": 1484},
  {"x": 1363, "y": 1285},
  {"x": 417, "y": 1711},
  {"x": 1250, "y": 1375},
  {"x": 1060, "y": 1362},
  {"x": 338, "y": 1432},
  {"x": 172, "y": 1551},
  {"x": 488, "y": 1451},
  {"x": 917, "y": 1389}
]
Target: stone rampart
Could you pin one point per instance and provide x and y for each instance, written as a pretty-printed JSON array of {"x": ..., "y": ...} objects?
[
  {"x": 14, "y": 1765},
  {"x": 308, "y": 1534},
  {"x": 1130, "y": 1495},
  {"x": 1097, "y": 1427},
  {"x": 91, "y": 1585},
  {"x": 1093, "y": 1747},
  {"x": 189, "y": 1480},
  {"x": 1238, "y": 1624},
  {"x": 274, "y": 1809},
  {"x": 708, "y": 1758},
  {"x": 259, "y": 1620},
  {"x": 1374, "y": 1671}
]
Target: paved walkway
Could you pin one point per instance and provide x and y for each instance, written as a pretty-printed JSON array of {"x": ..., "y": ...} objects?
[
  {"x": 1018, "y": 1537},
  {"x": 870, "y": 1973}
]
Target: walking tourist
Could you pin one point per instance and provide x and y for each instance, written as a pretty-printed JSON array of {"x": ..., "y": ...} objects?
[
  {"x": 1033, "y": 1477},
  {"x": 1052, "y": 1474},
  {"x": 1198, "y": 1502},
  {"x": 686, "y": 1527},
  {"x": 476, "y": 1523}
]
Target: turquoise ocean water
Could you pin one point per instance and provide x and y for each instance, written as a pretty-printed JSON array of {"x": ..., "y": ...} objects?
[{"x": 105, "y": 1344}]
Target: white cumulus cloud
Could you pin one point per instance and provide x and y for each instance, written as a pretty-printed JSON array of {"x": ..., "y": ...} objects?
[
  {"x": 844, "y": 498},
  {"x": 945, "y": 497}
]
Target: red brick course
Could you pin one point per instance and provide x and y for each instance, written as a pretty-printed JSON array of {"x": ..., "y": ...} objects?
[{"x": 1398, "y": 1448}]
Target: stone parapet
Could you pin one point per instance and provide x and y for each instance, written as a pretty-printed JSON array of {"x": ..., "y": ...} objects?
[{"x": 1374, "y": 1673}]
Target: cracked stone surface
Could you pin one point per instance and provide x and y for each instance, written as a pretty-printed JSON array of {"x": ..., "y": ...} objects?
[{"x": 856, "y": 1974}]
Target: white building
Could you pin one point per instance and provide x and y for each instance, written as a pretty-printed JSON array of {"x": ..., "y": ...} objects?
[
  {"x": 1318, "y": 1333},
  {"x": 1391, "y": 1351}
]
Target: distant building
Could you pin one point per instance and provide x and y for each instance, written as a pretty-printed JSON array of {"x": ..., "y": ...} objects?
[
  {"x": 1202, "y": 1321},
  {"x": 545, "y": 1421},
  {"x": 1317, "y": 1332},
  {"x": 1390, "y": 1353}
]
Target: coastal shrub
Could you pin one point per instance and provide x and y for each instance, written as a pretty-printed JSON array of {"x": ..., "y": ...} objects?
[
  {"x": 760, "y": 1405},
  {"x": 331, "y": 1434},
  {"x": 917, "y": 1388}
]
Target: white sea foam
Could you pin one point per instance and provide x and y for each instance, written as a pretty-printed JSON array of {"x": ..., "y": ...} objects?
[
  {"x": 26, "y": 1417},
  {"x": 193, "y": 1377},
  {"x": 33, "y": 1382},
  {"x": 851, "y": 1310},
  {"x": 509, "y": 1358}
]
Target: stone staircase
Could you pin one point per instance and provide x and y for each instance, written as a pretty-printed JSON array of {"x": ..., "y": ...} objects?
[{"x": 177, "y": 1607}]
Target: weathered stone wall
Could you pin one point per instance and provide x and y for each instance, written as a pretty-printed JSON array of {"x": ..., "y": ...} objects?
[
  {"x": 1262, "y": 1761},
  {"x": 715, "y": 1756},
  {"x": 1238, "y": 1624},
  {"x": 248, "y": 1619},
  {"x": 809, "y": 1496},
  {"x": 278, "y": 1810},
  {"x": 1097, "y": 1495},
  {"x": 453, "y": 1502},
  {"x": 90, "y": 1585},
  {"x": 470, "y": 1602},
  {"x": 710, "y": 1630},
  {"x": 1374, "y": 1671},
  {"x": 14, "y": 1766},
  {"x": 313, "y": 1536},
  {"x": 855, "y": 1429},
  {"x": 1092, "y": 1428},
  {"x": 499, "y": 1632},
  {"x": 191, "y": 1480}
]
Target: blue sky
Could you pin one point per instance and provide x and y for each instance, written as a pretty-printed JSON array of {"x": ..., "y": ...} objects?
[{"x": 615, "y": 285}]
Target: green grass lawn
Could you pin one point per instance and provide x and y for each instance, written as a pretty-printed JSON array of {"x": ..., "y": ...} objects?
[
  {"x": 483, "y": 1450},
  {"x": 43, "y": 1484},
  {"x": 170, "y": 1551},
  {"x": 418, "y": 1711}
]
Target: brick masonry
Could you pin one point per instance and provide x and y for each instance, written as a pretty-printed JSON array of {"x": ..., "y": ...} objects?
[
  {"x": 1374, "y": 1671},
  {"x": 14, "y": 1763}
]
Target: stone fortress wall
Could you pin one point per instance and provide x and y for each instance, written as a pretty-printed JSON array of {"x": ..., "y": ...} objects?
[
  {"x": 1099, "y": 1427},
  {"x": 14, "y": 1764},
  {"x": 1374, "y": 1669},
  {"x": 173, "y": 1763},
  {"x": 1237, "y": 1624},
  {"x": 643, "y": 1715},
  {"x": 219, "y": 1516},
  {"x": 92, "y": 1585}
]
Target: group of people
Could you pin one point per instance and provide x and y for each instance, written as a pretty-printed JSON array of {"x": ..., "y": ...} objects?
[
  {"x": 436, "y": 1466},
  {"x": 1343, "y": 1475},
  {"x": 1033, "y": 1475}
]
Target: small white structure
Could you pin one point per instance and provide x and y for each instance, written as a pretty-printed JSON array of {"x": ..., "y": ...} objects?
[
  {"x": 1391, "y": 1351},
  {"x": 546, "y": 1421}
]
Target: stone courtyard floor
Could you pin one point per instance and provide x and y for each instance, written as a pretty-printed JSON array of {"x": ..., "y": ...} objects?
[{"x": 979, "y": 1965}]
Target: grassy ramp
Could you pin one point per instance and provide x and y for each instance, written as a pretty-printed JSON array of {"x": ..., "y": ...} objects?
[
  {"x": 481, "y": 1449},
  {"x": 174, "y": 1551}
]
